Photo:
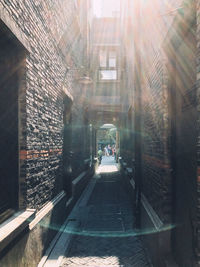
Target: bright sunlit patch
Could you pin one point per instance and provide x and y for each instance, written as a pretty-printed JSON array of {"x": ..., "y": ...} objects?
[
  {"x": 95, "y": 261},
  {"x": 107, "y": 169},
  {"x": 106, "y": 8},
  {"x": 108, "y": 126}
]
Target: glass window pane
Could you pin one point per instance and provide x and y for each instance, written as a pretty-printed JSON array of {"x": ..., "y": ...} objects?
[
  {"x": 112, "y": 62},
  {"x": 112, "y": 59},
  {"x": 102, "y": 58},
  {"x": 108, "y": 74}
]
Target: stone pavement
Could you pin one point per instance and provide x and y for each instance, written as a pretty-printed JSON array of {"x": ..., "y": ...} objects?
[{"x": 106, "y": 226}]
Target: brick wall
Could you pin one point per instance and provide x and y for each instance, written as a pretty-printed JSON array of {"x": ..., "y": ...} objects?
[
  {"x": 198, "y": 121},
  {"x": 155, "y": 126},
  {"x": 42, "y": 27},
  {"x": 168, "y": 124},
  {"x": 154, "y": 133},
  {"x": 169, "y": 119},
  {"x": 154, "y": 113}
]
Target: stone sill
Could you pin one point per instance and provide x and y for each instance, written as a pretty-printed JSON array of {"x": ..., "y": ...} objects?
[
  {"x": 13, "y": 226},
  {"x": 21, "y": 220},
  {"x": 46, "y": 209},
  {"x": 129, "y": 170},
  {"x": 124, "y": 164},
  {"x": 132, "y": 182},
  {"x": 79, "y": 178},
  {"x": 109, "y": 81},
  {"x": 158, "y": 224}
]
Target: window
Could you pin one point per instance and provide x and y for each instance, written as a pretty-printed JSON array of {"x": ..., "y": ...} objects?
[
  {"x": 108, "y": 74},
  {"x": 107, "y": 59},
  {"x": 107, "y": 65},
  {"x": 12, "y": 56},
  {"x": 112, "y": 59}
]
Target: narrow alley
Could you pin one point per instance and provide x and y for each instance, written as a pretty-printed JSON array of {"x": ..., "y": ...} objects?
[
  {"x": 100, "y": 133},
  {"x": 104, "y": 232}
]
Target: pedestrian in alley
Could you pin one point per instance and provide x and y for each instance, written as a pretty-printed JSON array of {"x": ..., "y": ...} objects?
[
  {"x": 109, "y": 150},
  {"x": 100, "y": 153},
  {"x": 114, "y": 152},
  {"x": 106, "y": 151}
]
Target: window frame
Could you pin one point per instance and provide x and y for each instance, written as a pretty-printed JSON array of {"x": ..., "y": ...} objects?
[
  {"x": 17, "y": 180},
  {"x": 107, "y": 67}
]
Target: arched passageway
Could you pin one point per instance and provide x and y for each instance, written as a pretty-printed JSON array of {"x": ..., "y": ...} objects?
[{"x": 108, "y": 142}]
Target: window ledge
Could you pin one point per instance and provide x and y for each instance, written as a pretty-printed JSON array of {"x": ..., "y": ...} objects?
[
  {"x": 78, "y": 179},
  {"x": 13, "y": 226},
  {"x": 108, "y": 81}
]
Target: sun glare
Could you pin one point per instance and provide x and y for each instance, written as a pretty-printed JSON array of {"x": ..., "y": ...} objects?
[{"x": 106, "y": 8}]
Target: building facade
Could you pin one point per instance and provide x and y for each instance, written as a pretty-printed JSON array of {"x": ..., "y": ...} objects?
[
  {"x": 44, "y": 124},
  {"x": 164, "y": 122}
]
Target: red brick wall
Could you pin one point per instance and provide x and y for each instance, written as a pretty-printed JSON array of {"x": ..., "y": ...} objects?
[{"x": 50, "y": 32}]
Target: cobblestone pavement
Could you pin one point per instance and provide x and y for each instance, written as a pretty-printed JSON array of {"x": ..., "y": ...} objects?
[{"x": 105, "y": 236}]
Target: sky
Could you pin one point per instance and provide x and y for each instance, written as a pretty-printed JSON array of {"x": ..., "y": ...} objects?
[{"x": 105, "y": 8}]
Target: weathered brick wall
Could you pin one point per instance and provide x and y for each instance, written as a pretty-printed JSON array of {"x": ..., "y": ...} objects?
[
  {"x": 198, "y": 120},
  {"x": 43, "y": 25},
  {"x": 156, "y": 179},
  {"x": 153, "y": 133}
]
